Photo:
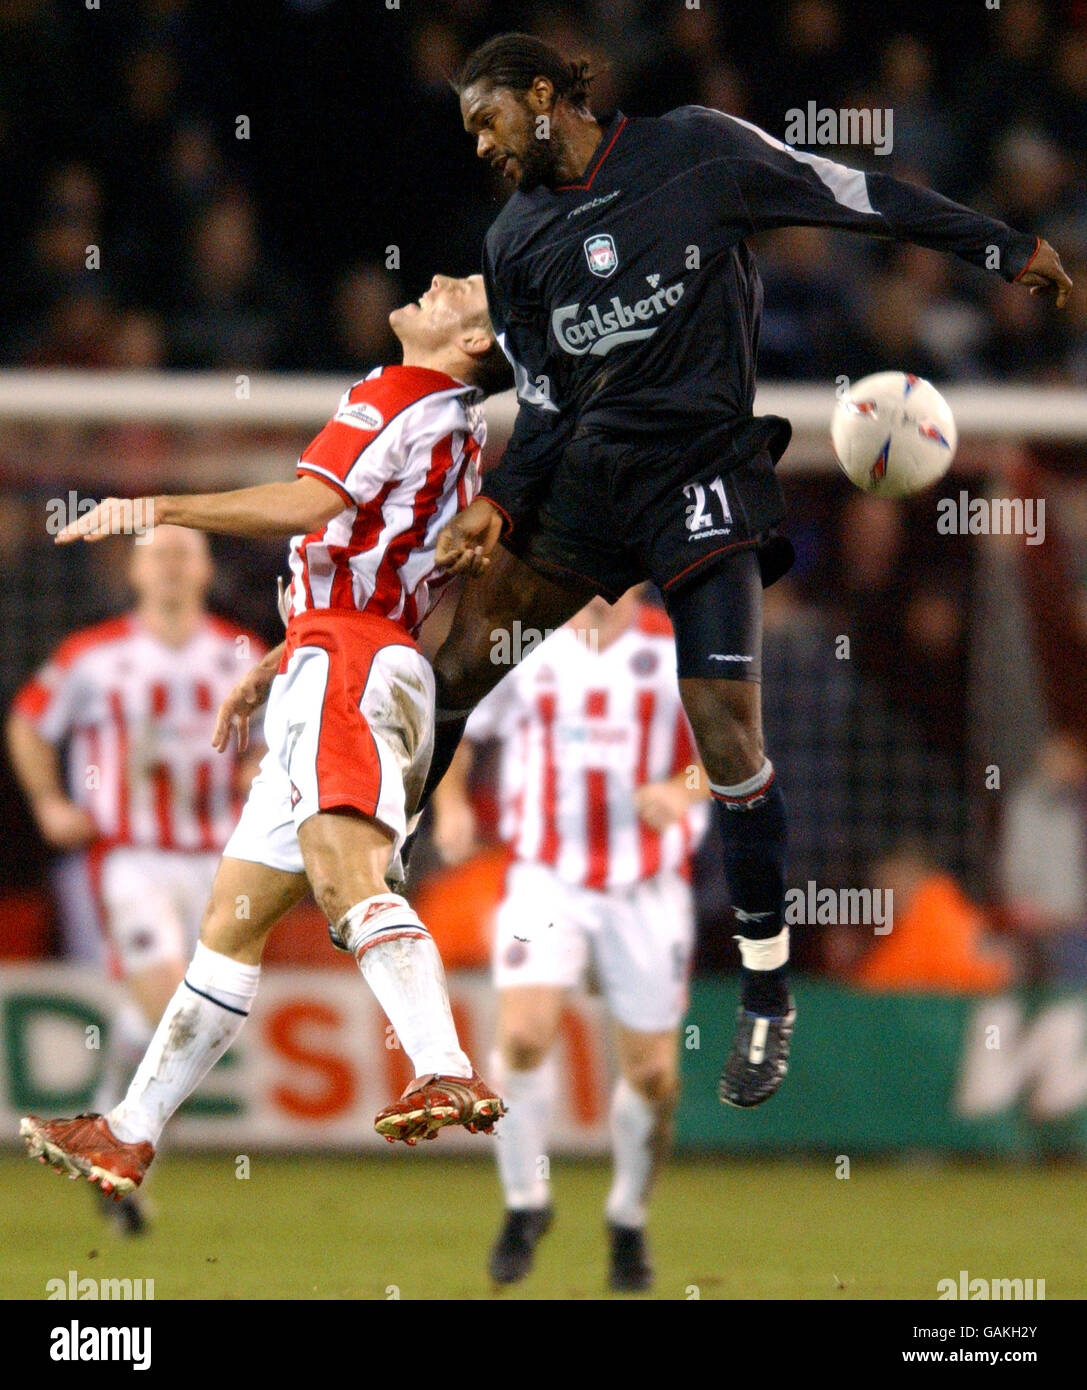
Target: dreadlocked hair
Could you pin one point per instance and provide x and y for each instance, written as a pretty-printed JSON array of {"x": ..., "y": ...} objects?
[{"x": 516, "y": 60}]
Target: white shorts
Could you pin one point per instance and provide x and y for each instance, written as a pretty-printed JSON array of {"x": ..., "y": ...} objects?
[
  {"x": 350, "y": 723},
  {"x": 153, "y": 901},
  {"x": 638, "y": 939}
]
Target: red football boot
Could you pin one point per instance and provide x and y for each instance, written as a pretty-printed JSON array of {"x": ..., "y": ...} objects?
[
  {"x": 85, "y": 1147},
  {"x": 432, "y": 1102}
]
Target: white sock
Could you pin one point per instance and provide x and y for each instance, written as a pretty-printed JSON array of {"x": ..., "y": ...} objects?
[
  {"x": 521, "y": 1145},
  {"x": 127, "y": 1041},
  {"x": 201, "y": 1021},
  {"x": 631, "y": 1122},
  {"x": 401, "y": 964}
]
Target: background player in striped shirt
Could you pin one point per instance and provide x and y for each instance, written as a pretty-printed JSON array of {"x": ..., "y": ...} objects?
[
  {"x": 109, "y": 741},
  {"x": 349, "y": 729},
  {"x": 603, "y": 801}
]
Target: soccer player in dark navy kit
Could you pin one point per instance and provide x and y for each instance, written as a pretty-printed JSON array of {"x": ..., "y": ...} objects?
[{"x": 624, "y": 295}]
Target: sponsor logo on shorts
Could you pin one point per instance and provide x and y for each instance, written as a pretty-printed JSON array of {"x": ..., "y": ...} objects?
[
  {"x": 601, "y": 254},
  {"x": 729, "y": 656},
  {"x": 598, "y": 332}
]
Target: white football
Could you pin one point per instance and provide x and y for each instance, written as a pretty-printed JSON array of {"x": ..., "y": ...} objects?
[{"x": 893, "y": 433}]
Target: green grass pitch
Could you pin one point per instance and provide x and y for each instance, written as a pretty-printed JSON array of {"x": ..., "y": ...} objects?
[{"x": 419, "y": 1227}]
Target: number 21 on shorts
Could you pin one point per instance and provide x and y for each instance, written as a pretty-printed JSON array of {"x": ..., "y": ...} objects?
[{"x": 699, "y": 517}]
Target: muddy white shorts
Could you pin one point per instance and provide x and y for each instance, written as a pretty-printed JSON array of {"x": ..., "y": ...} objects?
[
  {"x": 637, "y": 939},
  {"x": 152, "y": 902},
  {"x": 350, "y": 723}
]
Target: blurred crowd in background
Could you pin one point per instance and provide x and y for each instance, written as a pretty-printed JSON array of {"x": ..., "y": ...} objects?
[
  {"x": 244, "y": 170},
  {"x": 260, "y": 185}
]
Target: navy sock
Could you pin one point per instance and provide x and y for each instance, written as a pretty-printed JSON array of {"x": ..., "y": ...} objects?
[{"x": 753, "y": 832}]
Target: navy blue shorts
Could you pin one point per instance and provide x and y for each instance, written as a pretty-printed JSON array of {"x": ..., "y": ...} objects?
[{"x": 618, "y": 512}]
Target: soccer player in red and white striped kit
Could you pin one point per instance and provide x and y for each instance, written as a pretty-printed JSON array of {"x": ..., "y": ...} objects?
[
  {"x": 349, "y": 728},
  {"x": 603, "y": 801},
  {"x": 109, "y": 741}
]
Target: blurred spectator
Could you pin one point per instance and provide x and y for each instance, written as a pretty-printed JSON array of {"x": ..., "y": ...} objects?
[
  {"x": 1068, "y": 112},
  {"x": 891, "y": 333},
  {"x": 1044, "y": 857},
  {"x": 361, "y": 336},
  {"x": 809, "y": 61},
  {"x": 900, "y": 597},
  {"x": 923, "y": 138},
  {"x": 1033, "y": 177},
  {"x": 142, "y": 151},
  {"x": 687, "y": 48},
  {"x": 802, "y": 290},
  {"x": 1008, "y": 84},
  {"x": 61, "y": 262},
  {"x": 939, "y": 939},
  {"x": 235, "y": 307}
]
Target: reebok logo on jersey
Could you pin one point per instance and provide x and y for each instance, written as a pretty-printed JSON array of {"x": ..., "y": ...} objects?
[
  {"x": 361, "y": 416},
  {"x": 593, "y": 203},
  {"x": 597, "y": 333}
]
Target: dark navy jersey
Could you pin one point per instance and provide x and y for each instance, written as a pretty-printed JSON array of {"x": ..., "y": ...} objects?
[{"x": 628, "y": 303}]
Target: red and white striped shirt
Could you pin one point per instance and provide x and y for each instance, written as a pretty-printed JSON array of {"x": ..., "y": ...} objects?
[
  {"x": 581, "y": 731},
  {"x": 402, "y": 451},
  {"x": 137, "y": 716}
]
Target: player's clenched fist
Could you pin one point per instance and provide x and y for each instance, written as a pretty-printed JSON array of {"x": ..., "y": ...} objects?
[
  {"x": 113, "y": 516},
  {"x": 465, "y": 544},
  {"x": 661, "y": 804},
  {"x": 63, "y": 824},
  {"x": 1045, "y": 274},
  {"x": 246, "y": 697}
]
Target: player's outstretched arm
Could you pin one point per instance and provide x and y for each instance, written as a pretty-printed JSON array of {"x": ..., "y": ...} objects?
[
  {"x": 242, "y": 702},
  {"x": 779, "y": 185},
  {"x": 265, "y": 512}
]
